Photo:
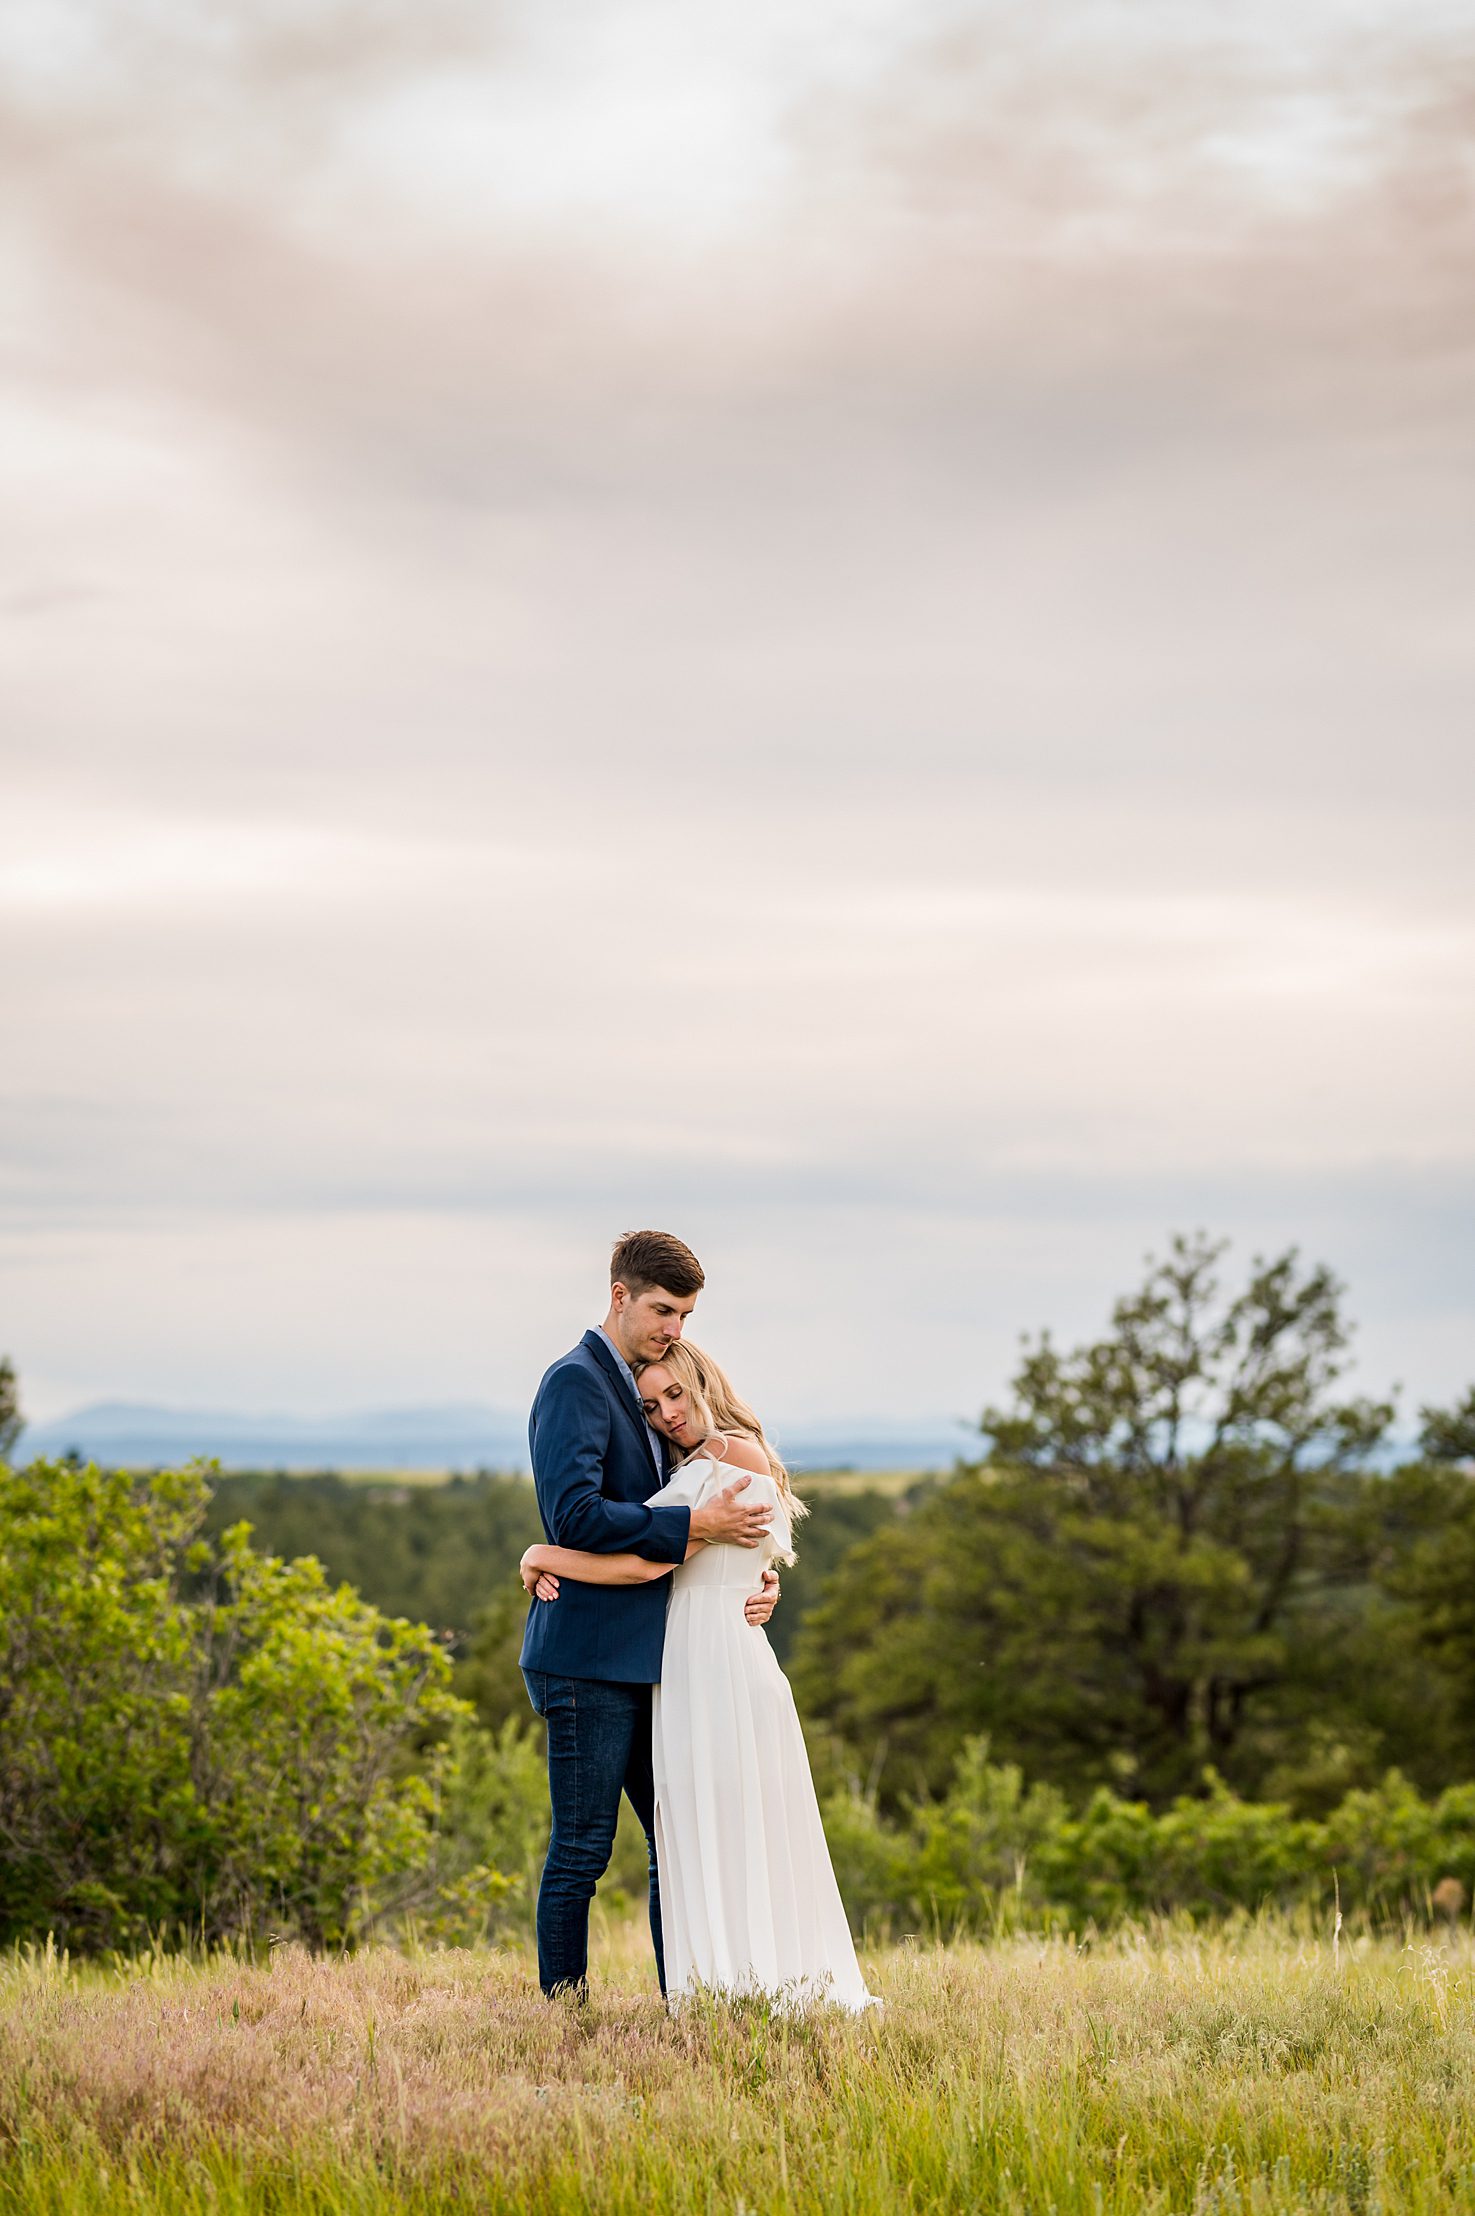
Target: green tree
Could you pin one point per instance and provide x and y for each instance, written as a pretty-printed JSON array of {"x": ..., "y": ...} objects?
[
  {"x": 437, "y": 1553},
  {"x": 1448, "y": 1434},
  {"x": 836, "y": 1522},
  {"x": 198, "y": 1737},
  {"x": 489, "y": 1673},
  {"x": 1438, "y": 1580},
  {"x": 12, "y": 1423},
  {"x": 1153, "y": 1568}
]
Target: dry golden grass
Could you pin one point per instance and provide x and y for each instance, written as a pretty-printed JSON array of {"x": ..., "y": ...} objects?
[
  {"x": 817, "y": 1485},
  {"x": 1250, "y": 2072}
]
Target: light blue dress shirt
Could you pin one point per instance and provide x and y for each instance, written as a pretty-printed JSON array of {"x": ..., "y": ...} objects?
[{"x": 653, "y": 1436}]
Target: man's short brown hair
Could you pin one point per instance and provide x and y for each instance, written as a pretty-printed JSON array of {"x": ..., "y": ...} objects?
[{"x": 643, "y": 1259}]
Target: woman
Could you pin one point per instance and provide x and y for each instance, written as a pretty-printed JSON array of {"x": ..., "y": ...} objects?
[{"x": 749, "y": 1901}]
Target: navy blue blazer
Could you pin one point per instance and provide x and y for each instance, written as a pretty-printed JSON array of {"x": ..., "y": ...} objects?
[{"x": 594, "y": 1476}]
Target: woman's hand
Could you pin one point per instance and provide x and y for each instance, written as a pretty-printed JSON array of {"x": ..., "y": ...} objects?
[
  {"x": 541, "y": 1583},
  {"x": 759, "y": 1606}
]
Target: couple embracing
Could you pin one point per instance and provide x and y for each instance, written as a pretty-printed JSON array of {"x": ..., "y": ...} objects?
[{"x": 665, "y": 1510}]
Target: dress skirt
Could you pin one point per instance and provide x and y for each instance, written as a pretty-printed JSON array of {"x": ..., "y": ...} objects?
[{"x": 749, "y": 1901}]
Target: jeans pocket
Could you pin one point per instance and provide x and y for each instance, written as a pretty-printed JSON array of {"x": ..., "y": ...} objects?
[{"x": 551, "y": 1695}]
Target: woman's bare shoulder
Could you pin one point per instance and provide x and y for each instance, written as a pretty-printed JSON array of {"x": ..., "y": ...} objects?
[{"x": 743, "y": 1453}]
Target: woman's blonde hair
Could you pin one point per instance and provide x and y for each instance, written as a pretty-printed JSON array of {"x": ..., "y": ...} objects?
[{"x": 717, "y": 1407}]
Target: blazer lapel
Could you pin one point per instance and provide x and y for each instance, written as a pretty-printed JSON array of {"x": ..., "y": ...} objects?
[{"x": 595, "y": 1341}]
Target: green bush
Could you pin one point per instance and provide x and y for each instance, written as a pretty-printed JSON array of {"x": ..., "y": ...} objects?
[
  {"x": 991, "y": 1853},
  {"x": 1391, "y": 1847},
  {"x": 197, "y": 1739},
  {"x": 1196, "y": 1857},
  {"x": 495, "y": 1818}
]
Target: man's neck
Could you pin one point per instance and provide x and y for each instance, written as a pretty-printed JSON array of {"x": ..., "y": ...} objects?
[{"x": 607, "y": 1327}]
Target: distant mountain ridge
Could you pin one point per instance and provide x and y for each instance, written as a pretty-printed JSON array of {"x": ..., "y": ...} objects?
[{"x": 452, "y": 1435}]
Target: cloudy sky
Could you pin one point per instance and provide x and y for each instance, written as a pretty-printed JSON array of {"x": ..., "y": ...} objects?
[{"x": 844, "y": 629}]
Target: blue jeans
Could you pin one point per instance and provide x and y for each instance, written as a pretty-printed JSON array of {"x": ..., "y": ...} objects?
[{"x": 598, "y": 1747}]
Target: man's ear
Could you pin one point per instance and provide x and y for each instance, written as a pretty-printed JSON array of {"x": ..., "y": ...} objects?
[{"x": 619, "y": 1293}]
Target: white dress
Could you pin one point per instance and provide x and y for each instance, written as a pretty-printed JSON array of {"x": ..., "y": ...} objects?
[{"x": 749, "y": 1901}]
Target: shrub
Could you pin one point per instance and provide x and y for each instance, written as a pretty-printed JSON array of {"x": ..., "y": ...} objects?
[
  {"x": 197, "y": 1738},
  {"x": 1200, "y": 1857},
  {"x": 991, "y": 1853},
  {"x": 495, "y": 1819}
]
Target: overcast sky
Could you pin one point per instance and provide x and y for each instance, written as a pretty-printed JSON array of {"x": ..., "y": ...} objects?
[{"x": 846, "y": 630}]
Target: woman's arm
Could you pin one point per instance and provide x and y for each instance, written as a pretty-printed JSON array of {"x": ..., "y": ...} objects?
[{"x": 595, "y": 1569}]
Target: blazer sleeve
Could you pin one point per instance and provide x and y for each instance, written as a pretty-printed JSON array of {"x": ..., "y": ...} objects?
[{"x": 571, "y": 1435}]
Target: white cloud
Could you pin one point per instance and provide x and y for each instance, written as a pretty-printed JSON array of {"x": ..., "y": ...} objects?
[{"x": 850, "y": 626}]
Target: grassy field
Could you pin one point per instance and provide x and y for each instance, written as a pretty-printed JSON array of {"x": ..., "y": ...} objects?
[
  {"x": 1224, "y": 2075},
  {"x": 825, "y": 1484},
  {"x": 390, "y": 1480},
  {"x": 890, "y": 1482}
]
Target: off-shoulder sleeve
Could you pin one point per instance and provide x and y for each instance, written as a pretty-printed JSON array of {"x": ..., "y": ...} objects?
[{"x": 778, "y": 1544}]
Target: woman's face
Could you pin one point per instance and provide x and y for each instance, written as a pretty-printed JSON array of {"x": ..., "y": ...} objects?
[{"x": 667, "y": 1405}]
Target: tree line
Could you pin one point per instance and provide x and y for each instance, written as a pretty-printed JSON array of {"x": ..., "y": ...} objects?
[{"x": 1176, "y": 1616}]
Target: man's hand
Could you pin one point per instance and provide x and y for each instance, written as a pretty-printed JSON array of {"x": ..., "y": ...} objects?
[
  {"x": 758, "y": 1607},
  {"x": 725, "y": 1519}
]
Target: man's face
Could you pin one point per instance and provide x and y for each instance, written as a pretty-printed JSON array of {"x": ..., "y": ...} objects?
[{"x": 645, "y": 1324}]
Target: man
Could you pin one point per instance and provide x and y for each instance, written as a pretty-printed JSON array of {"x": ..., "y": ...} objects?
[{"x": 591, "y": 1660}]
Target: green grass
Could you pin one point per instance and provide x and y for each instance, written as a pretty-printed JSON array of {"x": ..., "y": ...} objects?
[{"x": 1222, "y": 2075}]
